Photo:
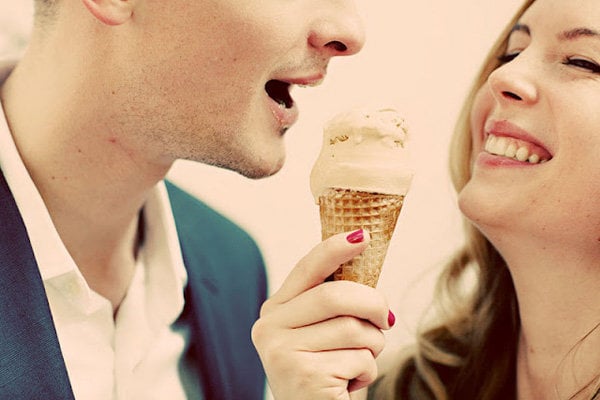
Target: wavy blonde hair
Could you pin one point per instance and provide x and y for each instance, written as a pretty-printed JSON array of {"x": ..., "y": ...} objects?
[{"x": 471, "y": 353}]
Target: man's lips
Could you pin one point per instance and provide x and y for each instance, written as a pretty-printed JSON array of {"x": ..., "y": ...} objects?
[
  {"x": 282, "y": 104},
  {"x": 279, "y": 89},
  {"x": 312, "y": 80}
]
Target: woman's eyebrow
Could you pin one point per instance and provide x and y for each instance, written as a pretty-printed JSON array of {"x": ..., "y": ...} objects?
[
  {"x": 576, "y": 33},
  {"x": 521, "y": 28}
]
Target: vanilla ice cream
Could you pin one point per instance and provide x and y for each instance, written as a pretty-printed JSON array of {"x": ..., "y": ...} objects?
[{"x": 364, "y": 151}]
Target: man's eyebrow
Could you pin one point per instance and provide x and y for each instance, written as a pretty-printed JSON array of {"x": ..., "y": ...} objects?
[
  {"x": 576, "y": 33},
  {"x": 521, "y": 28}
]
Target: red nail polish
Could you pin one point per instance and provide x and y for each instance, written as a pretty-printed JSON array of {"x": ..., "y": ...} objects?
[
  {"x": 356, "y": 236},
  {"x": 391, "y": 318}
]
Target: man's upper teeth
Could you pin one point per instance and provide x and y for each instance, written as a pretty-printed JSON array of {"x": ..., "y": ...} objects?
[{"x": 512, "y": 148}]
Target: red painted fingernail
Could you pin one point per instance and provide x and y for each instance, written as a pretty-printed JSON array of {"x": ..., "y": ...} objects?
[
  {"x": 391, "y": 319},
  {"x": 356, "y": 236}
]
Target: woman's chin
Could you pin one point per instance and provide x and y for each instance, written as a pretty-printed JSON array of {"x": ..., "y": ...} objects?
[{"x": 484, "y": 207}]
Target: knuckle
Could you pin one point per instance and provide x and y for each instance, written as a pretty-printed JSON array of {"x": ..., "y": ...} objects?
[
  {"x": 266, "y": 307},
  {"x": 370, "y": 366},
  {"x": 328, "y": 244},
  {"x": 258, "y": 332},
  {"x": 362, "y": 334},
  {"x": 351, "y": 328},
  {"x": 331, "y": 295},
  {"x": 379, "y": 343},
  {"x": 266, "y": 336}
]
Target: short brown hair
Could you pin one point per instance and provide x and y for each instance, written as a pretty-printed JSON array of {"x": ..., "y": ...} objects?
[{"x": 45, "y": 11}]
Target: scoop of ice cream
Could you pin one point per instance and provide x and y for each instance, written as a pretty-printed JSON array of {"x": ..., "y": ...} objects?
[{"x": 363, "y": 150}]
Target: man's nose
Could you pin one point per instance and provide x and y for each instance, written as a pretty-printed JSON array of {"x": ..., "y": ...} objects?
[{"x": 338, "y": 29}]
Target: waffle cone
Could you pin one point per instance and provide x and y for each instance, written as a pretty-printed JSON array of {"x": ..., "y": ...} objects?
[{"x": 345, "y": 210}]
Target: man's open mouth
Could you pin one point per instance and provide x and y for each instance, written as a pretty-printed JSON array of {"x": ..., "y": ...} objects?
[{"x": 280, "y": 92}]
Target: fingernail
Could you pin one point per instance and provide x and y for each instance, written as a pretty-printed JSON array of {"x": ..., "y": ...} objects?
[
  {"x": 356, "y": 236},
  {"x": 391, "y": 318}
]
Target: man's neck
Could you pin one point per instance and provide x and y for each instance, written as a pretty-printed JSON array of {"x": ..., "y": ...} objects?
[{"x": 93, "y": 181}]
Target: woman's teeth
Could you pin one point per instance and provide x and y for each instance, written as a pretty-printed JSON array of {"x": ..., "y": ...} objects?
[{"x": 511, "y": 148}]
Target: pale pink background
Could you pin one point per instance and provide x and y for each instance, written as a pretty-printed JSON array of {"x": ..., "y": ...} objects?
[{"x": 420, "y": 58}]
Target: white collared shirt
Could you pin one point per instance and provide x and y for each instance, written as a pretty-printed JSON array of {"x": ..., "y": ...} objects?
[{"x": 138, "y": 355}]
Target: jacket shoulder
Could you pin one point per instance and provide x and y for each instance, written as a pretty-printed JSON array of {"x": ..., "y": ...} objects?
[{"x": 210, "y": 238}]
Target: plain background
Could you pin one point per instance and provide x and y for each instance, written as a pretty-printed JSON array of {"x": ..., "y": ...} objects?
[{"x": 420, "y": 58}]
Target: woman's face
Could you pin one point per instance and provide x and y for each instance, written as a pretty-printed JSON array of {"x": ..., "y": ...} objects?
[{"x": 536, "y": 130}]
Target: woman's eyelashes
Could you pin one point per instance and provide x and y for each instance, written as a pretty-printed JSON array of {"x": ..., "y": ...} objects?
[
  {"x": 577, "y": 62},
  {"x": 582, "y": 63},
  {"x": 508, "y": 57}
]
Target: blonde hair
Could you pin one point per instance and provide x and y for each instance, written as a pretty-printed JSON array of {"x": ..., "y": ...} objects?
[{"x": 471, "y": 354}]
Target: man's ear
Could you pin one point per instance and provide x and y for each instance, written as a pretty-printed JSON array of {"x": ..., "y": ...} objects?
[{"x": 111, "y": 12}]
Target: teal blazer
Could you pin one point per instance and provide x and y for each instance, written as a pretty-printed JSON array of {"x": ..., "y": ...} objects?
[{"x": 226, "y": 287}]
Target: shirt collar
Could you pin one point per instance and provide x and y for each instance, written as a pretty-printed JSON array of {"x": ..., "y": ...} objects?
[{"x": 166, "y": 275}]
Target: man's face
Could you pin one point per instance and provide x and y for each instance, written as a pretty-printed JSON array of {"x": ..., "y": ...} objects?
[{"x": 209, "y": 80}]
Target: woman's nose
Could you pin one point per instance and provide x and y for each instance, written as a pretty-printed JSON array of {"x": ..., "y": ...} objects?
[
  {"x": 338, "y": 29},
  {"x": 514, "y": 82}
]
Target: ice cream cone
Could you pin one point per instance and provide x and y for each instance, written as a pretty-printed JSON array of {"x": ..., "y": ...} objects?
[
  {"x": 359, "y": 181},
  {"x": 345, "y": 210}
]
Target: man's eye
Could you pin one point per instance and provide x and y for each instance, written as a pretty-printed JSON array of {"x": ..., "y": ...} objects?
[
  {"x": 508, "y": 57},
  {"x": 583, "y": 64}
]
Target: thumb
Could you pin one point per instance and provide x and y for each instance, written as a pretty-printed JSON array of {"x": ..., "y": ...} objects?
[{"x": 321, "y": 262}]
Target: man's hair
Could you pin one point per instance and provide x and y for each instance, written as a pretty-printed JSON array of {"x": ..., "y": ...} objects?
[{"x": 45, "y": 11}]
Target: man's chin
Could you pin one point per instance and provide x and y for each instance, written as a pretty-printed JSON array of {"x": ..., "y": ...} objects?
[
  {"x": 252, "y": 169},
  {"x": 264, "y": 170}
]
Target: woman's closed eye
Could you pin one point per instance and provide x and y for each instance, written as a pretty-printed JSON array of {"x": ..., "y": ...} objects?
[
  {"x": 508, "y": 57},
  {"x": 583, "y": 63},
  {"x": 578, "y": 62}
]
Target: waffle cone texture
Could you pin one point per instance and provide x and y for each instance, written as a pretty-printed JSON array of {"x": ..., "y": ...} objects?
[{"x": 345, "y": 210}]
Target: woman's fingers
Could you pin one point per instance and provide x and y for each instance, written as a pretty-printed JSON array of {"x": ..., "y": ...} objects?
[
  {"x": 317, "y": 265},
  {"x": 330, "y": 300},
  {"x": 292, "y": 355},
  {"x": 341, "y": 333},
  {"x": 323, "y": 375}
]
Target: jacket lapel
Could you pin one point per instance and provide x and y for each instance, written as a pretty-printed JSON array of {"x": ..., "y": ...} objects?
[
  {"x": 208, "y": 347},
  {"x": 31, "y": 363},
  {"x": 204, "y": 300}
]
